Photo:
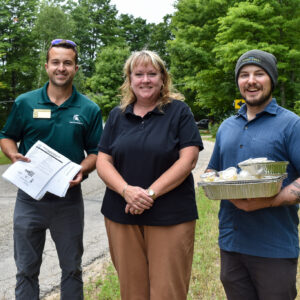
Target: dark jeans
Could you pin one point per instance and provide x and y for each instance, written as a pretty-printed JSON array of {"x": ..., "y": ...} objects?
[
  {"x": 257, "y": 278},
  {"x": 64, "y": 217}
]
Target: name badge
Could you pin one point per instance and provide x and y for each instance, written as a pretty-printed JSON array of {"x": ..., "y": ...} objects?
[{"x": 41, "y": 113}]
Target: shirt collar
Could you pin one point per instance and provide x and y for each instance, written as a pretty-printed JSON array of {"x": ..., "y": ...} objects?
[
  {"x": 156, "y": 111},
  {"x": 73, "y": 100},
  {"x": 271, "y": 109}
]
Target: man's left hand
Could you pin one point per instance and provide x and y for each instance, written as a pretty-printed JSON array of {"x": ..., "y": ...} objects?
[
  {"x": 77, "y": 179},
  {"x": 253, "y": 204}
]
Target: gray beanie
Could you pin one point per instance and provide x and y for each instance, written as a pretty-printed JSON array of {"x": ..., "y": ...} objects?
[{"x": 265, "y": 60}]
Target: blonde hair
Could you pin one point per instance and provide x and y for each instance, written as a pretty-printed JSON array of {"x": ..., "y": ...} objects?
[{"x": 146, "y": 57}]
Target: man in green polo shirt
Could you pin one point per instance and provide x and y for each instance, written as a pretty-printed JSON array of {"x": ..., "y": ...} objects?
[{"x": 71, "y": 124}]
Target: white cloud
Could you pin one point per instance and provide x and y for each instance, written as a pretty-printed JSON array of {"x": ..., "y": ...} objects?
[{"x": 151, "y": 10}]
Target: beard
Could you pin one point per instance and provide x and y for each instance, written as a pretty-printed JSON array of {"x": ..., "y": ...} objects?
[{"x": 260, "y": 101}]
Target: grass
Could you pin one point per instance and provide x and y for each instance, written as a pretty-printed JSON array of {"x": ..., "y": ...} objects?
[
  {"x": 205, "y": 283},
  {"x": 105, "y": 287},
  {"x": 204, "y": 132},
  {"x": 208, "y": 138},
  {"x": 3, "y": 159},
  {"x": 206, "y": 135}
]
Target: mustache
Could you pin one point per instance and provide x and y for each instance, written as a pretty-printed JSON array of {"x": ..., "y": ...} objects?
[{"x": 253, "y": 85}]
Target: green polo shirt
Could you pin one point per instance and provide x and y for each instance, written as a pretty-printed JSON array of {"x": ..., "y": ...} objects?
[{"x": 72, "y": 128}]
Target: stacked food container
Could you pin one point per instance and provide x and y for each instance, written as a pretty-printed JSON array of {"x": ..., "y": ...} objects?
[{"x": 256, "y": 178}]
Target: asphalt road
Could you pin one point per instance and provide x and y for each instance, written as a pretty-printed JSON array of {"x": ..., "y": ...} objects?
[{"x": 95, "y": 240}]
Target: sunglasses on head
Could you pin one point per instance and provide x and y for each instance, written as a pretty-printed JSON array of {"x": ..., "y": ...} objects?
[{"x": 57, "y": 41}]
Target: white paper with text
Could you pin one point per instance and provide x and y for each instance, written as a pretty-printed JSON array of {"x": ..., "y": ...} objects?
[{"x": 45, "y": 171}]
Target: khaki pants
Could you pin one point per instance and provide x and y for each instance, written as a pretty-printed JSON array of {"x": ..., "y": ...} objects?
[{"x": 153, "y": 262}]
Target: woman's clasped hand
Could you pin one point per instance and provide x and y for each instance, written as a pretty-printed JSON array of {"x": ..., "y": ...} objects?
[{"x": 137, "y": 200}]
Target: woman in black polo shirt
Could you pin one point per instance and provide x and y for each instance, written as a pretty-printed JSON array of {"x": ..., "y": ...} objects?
[{"x": 147, "y": 151}]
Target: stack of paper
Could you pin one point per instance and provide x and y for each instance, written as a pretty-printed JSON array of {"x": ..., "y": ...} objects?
[{"x": 47, "y": 171}]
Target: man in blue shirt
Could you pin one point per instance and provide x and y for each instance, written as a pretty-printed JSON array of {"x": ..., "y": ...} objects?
[{"x": 258, "y": 238}]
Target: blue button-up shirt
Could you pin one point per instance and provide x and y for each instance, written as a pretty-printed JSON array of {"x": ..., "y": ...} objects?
[{"x": 275, "y": 134}]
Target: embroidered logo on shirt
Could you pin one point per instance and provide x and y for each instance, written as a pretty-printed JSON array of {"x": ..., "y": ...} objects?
[{"x": 76, "y": 120}]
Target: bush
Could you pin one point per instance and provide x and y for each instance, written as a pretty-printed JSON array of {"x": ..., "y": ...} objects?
[
  {"x": 213, "y": 128},
  {"x": 297, "y": 108}
]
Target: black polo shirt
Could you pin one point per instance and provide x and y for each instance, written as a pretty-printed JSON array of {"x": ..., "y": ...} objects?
[{"x": 143, "y": 149}]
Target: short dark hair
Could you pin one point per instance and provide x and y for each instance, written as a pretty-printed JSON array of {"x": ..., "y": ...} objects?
[{"x": 63, "y": 44}]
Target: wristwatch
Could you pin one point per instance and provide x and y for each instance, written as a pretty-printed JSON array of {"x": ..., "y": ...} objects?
[{"x": 151, "y": 194}]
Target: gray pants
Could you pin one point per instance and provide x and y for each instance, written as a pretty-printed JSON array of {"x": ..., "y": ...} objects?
[{"x": 64, "y": 217}]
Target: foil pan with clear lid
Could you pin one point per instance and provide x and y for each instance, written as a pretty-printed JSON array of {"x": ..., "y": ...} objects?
[{"x": 261, "y": 166}]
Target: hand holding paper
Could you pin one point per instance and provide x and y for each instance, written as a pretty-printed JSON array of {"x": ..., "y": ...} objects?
[{"x": 47, "y": 171}]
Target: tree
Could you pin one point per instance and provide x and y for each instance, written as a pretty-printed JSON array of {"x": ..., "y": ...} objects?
[
  {"x": 211, "y": 35},
  {"x": 95, "y": 28},
  {"x": 160, "y": 34},
  {"x": 104, "y": 85},
  {"x": 134, "y": 31},
  {"x": 51, "y": 23},
  {"x": 138, "y": 34},
  {"x": 272, "y": 26},
  {"x": 17, "y": 47},
  {"x": 195, "y": 25}
]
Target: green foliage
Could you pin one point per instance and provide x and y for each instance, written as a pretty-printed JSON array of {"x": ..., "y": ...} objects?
[
  {"x": 3, "y": 159},
  {"x": 51, "y": 23},
  {"x": 27, "y": 28},
  {"x": 138, "y": 35},
  {"x": 211, "y": 35},
  {"x": 95, "y": 27},
  {"x": 267, "y": 25},
  {"x": 110, "y": 287},
  {"x": 103, "y": 86},
  {"x": 213, "y": 128},
  {"x": 160, "y": 34},
  {"x": 205, "y": 283},
  {"x": 195, "y": 26},
  {"x": 134, "y": 32},
  {"x": 5, "y": 108},
  {"x": 297, "y": 108},
  {"x": 200, "y": 45},
  {"x": 17, "y": 48},
  {"x": 104, "y": 288},
  {"x": 80, "y": 81}
]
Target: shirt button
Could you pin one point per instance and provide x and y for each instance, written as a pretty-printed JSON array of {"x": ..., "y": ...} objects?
[
  {"x": 241, "y": 146},
  {"x": 246, "y": 127}
]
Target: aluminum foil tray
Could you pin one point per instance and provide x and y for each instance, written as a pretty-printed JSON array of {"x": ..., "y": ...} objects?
[
  {"x": 265, "y": 168},
  {"x": 265, "y": 187}
]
